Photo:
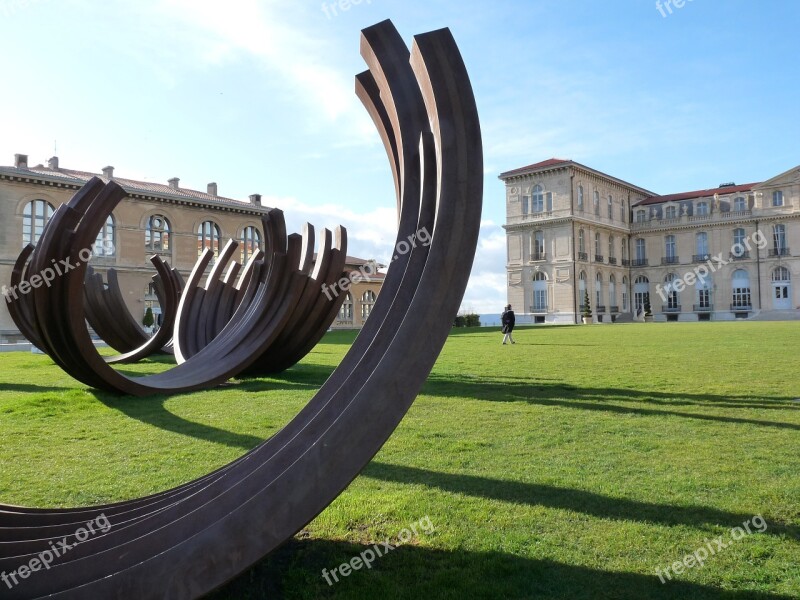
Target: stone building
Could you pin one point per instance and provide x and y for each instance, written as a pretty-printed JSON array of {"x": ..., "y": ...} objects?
[
  {"x": 166, "y": 219},
  {"x": 721, "y": 253}
]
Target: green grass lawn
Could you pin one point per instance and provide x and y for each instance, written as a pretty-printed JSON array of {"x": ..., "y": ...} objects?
[{"x": 570, "y": 465}]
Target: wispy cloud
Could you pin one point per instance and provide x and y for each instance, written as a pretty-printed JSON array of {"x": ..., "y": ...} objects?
[{"x": 264, "y": 30}]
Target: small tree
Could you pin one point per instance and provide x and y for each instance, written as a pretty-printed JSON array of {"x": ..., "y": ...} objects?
[
  {"x": 472, "y": 320},
  {"x": 587, "y": 308},
  {"x": 460, "y": 321},
  {"x": 647, "y": 310},
  {"x": 148, "y": 320}
]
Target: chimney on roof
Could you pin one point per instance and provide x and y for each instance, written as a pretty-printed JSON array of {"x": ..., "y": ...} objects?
[
  {"x": 174, "y": 183},
  {"x": 52, "y": 163},
  {"x": 108, "y": 172},
  {"x": 255, "y": 199},
  {"x": 21, "y": 161},
  {"x": 212, "y": 189}
]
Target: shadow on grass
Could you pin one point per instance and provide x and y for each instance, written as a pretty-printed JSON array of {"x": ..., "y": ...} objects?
[
  {"x": 581, "y": 501},
  {"x": 30, "y": 388},
  {"x": 412, "y": 572},
  {"x": 599, "y": 399},
  {"x": 151, "y": 410}
]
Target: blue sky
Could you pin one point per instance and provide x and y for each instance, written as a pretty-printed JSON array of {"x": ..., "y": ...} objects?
[{"x": 257, "y": 95}]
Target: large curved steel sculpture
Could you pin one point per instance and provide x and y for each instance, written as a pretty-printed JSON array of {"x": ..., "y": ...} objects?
[
  {"x": 223, "y": 340},
  {"x": 190, "y": 540}
]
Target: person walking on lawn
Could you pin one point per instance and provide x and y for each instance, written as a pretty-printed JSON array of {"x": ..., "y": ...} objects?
[{"x": 508, "y": 321}]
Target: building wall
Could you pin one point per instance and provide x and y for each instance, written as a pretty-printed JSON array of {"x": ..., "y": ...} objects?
[{"x": 563, "y": 262}]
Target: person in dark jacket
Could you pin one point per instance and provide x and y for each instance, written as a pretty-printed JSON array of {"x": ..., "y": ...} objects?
[{"x": 508, "y": 320}]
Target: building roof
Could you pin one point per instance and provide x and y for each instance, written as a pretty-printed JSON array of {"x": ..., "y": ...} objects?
[
  {"x": 552, "y": 163},
  {"x": 722, "y": 190},
  {"x": 72, "y": 176}
]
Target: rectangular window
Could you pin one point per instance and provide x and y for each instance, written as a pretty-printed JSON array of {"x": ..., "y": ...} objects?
[
  {"x": 741, "y": 297},
  {"x": 640, "y": 250},
  {"x": 540, "y": 300},
  {"x": 704, "y": 297},
  {"x": 670, "y": 247},
  {"x": 777, "y": 198}
]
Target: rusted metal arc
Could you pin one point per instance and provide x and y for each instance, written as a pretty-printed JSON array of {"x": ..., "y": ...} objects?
[
  {"x": 189, "y": 547},
  {"x": 20, "y": 309},
  {"x": 169, "y": 283}
]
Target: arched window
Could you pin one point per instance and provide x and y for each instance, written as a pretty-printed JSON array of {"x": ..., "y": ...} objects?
[
  {"x": 580, "y": 197},
  {"x": 671, "y": 212},
  {"x": 740, "y": 282},
  {"x": 346, "y": 312},
  {"x": 623, "y": 210},
  {"x": 105, "y": 244},
  {"x": 597, "y": 250},
  {"x": 701, "y": 246},
  {"x": 208, "y": 236},
  {"x": 610, "y": 207},
  {"x": 672, "y": 294},
  {"x": 596, "y": 202},
  {"x": 641, "y": 291},
  {"x": 781, "y": 274},
  {"x": 739, "y": 249},
  {"x": 581, "y": 242},
  {"x": 779, "y": 240},
  {"x": 156, "y": 235},
  {"x": 35, "y": 216},
  {"x": 624, "y": 247},
  {"x": 367, "y": 303},
  {"x": 739, "y": 204},
  {"x": 540, "y": 292},
  {"x": 582, "y": 290},
  {"x": 538, "y": 199},
  {"x": 250, "y": 242},
  {"x": 537, "y": 246},
  {"x": 611, "y": 246},
  {"x": 624, "y": 293},
  {"x": 641, "y": 216}
]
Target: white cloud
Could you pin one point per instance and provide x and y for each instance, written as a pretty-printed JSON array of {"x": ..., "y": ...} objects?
[{"x": 263, "y": 29}]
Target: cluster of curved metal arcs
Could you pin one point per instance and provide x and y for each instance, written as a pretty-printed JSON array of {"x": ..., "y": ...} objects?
[
  {"x": 187, "y": 541},
  {"x": 262, "y": 318}
]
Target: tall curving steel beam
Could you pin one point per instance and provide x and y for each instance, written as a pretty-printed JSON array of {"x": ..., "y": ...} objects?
[{"x": 188, "y": 541}]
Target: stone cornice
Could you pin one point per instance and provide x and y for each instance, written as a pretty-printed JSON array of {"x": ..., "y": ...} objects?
[{"x": 76, "y": 184}]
